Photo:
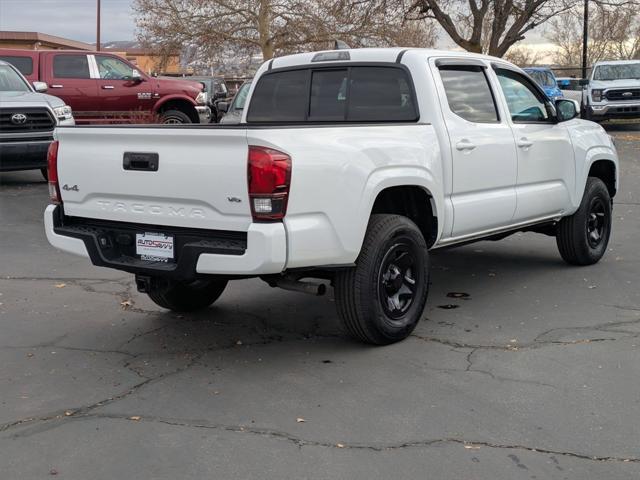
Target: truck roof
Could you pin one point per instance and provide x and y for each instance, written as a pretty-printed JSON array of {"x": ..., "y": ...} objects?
[
  {"x": 615, "y": 62},
  {"x": 374, "y": 55}
]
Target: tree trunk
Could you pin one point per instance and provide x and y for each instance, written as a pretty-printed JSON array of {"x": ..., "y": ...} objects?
[{"x": 264, "y": 30}]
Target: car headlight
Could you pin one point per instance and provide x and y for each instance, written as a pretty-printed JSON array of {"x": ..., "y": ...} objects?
[
  {"x": 202, "y": 98},
  {"x": 596, "y": 95},
  {"x": 63, "y": 113}
]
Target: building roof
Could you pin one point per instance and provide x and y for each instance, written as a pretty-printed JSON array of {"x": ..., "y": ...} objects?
[{"x": 44, "y": 38}]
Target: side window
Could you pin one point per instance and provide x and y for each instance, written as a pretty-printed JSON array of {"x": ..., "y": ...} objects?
[
  {"x": 328, "y": 95},
  {"x": 23, "y": 64},
  {"x": 379, "y": 94},
  {"x": 111, "y": 68},
  {"x": 525, "y": 103},
  {"x": 280, "y": 97},
  {"x": 71, "y": 66},
  {"x": 469, "y": 94}
]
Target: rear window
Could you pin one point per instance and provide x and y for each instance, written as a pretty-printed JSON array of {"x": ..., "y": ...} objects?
[
  {"x": 23, "y": 64},
  {"x": 71, "y": 66},
  {"x": 353, "y": 94}
]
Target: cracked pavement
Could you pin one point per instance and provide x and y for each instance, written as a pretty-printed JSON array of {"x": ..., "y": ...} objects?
[{"x": 533, "y": 376}]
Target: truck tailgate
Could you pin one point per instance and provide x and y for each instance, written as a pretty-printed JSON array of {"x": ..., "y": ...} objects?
[{"x": 199, "y": 180}]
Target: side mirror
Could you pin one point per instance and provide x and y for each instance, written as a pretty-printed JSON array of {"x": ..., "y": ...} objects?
[
  {"x": 583, "y": 82},
  {"x": 567, "y": 109},
  {"x": 40, "y": 87},
  {"x": 223, "y": 107}
]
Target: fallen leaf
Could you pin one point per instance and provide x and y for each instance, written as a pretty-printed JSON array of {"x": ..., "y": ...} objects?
[
  {"x": 29, "y": 355},
  {"x": 300, "y": 420},
  {"x": 126, "y": 304},
  {"x": 458, "y": 295},
  {"x": 135, "y": 418},
  {"x": 60, "y": 285},
  {"x": 339, "y": 445},
  {"x": 239, "y": 342},
  {"x": 448, "y": 306},
  {"x": 68, "y": 413},
  {"x": 472, "y": 447},
  {"x": 53, "y": 471}
]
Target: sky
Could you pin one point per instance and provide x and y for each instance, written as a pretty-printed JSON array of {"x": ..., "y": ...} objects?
[{"x": 73, "y": 19}]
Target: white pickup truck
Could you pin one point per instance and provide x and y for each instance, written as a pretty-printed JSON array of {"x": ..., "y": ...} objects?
[{"x": 348, "y": 166}]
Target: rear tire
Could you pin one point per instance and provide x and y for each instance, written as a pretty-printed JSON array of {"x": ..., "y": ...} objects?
[
  {"x": 382, "y": 298},
  {"x": 45, "y": 174},
  {"x": 186, "y": 297},
  {"x": 174, "y": 117},
  {"x": 583, "y": 237}
]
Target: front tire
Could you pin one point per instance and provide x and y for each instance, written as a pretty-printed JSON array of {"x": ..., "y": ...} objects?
[
  {"x": 583, "y": 237},
  {"x": 382, "y": 298},
  {"x": 185, "y": 296},
  {"x": 174, "y": 117}
]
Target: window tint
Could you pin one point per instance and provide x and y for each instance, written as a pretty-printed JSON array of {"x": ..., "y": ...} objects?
[
  {"x": 70, "y": 66},
  {"x": 280, "y": 97},
  {"x": 358, "y": 94},
  {"x": 524, "y": 102},
  {"x": 23, "y": 64},
  {"x": 469, "y": 94},
  {"x": 112, "y": 68},
  {"x": 328, "y": 95},
  {"x": 380, "y": 94}
]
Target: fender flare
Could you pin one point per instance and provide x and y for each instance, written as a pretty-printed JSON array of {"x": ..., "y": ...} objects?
[
  {"x": 595, "y": 154},
  {"x": 163, "y": 100}
]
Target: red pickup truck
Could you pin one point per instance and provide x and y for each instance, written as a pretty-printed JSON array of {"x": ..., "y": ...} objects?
[{"x": 102, "y": 87}]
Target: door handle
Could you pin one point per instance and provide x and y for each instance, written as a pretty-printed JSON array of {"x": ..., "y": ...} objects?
[
  {"x": 107, "y": 87},
  {"x": 57, "y": 86},
  {"x": 465, "y": 145},
  {"x": 525, "y": 143}
]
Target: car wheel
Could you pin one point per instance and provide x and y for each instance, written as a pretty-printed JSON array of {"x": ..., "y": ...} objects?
[
  {"x": 170, "y": 117},
  {"x": 185, "y": 296},
  {"x": 382, "y": 298},
  {"x": 45, "y": 174},
  {"x": 583, "y": 237}
]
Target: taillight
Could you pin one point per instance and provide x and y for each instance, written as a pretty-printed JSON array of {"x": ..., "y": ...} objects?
[
  {"x": 269, "y": 174},
  {"x": 52, "y": 173}
]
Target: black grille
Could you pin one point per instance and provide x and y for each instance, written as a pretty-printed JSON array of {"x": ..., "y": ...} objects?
[
  {"x": 37, "y": 120},
  {"x": 623, "y": 94}
]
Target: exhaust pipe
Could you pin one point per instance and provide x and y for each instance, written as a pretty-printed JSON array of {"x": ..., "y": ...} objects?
[{"x": 317, "y": 289}]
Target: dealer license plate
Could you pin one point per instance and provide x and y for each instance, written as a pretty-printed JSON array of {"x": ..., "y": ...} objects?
[{"x": 157, "y": 247}]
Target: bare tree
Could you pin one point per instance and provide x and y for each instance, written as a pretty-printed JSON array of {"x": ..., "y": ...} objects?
[
  {"x": 614, "y": 34},
  {"x": 275, "y": 27},
  {"x": 493, "y": 26},
  {"x": 523, "y": 56}
]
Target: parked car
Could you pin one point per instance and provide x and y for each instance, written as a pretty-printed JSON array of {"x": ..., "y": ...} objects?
[
  {"x": 102, "y": 87},
  {"x": 232, "y": 113},
  {"x": 546, "y": 79},
  {"x": 613, "y": 91},
  {"x": 27, "y": 120},
  {"x": 571, "y": 88},
  {"x": 348, "y": 166},
  {"x": 217, "y": 91}
]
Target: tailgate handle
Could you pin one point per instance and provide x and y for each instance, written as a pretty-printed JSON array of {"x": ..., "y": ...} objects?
[{"x": 141, "y": 161}]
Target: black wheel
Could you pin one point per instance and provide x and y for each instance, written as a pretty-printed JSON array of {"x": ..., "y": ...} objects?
[
  {"x": 45, "y": 174},
  {"x": 186, "y": 297},
  {"x": 174, "y": 117},
  {"x": 381, "y": 299},
  {"x": 583, "y": 237}
]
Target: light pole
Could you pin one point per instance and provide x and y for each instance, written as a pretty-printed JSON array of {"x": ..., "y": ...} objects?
[
  {"x": 585, "y": 38},
  {"x": 98, "y": 26}
]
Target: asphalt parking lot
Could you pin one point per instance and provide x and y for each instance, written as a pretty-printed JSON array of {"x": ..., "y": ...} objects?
[{"x": 534, "y": 375}]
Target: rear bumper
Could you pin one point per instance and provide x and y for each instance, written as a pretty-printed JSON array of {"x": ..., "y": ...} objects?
[
  {"x": 23, "y": 155},
  {"x": 259, "y": 251}
]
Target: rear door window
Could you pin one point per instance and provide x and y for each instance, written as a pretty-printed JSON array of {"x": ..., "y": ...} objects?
[
  {"x": 352, "y": 94},
  {"x": 71, "y": 66},
  {"x": 23, "y": 64},
  {"x": 469, "y": 94}
]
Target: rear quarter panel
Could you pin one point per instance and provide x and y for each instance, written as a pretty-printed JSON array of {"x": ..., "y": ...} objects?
[{"x": 337, "y": 172}]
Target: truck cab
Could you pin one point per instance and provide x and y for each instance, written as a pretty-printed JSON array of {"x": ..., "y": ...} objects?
[{"x": 103, "y": 87}]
